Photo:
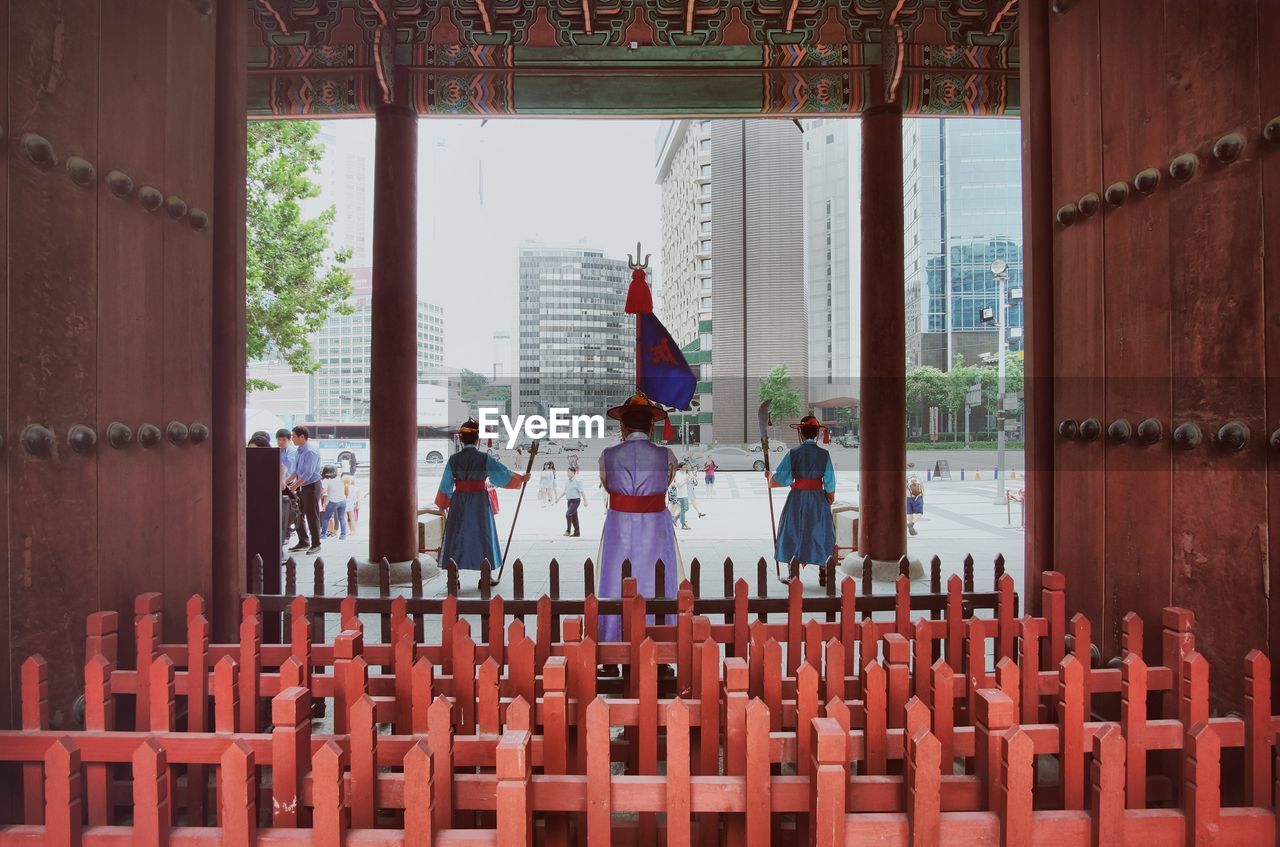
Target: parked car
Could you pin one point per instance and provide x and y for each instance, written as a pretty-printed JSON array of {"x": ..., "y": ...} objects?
[
  {"x": 735, "y": 459},
  {"x": 846, "y": 440}
]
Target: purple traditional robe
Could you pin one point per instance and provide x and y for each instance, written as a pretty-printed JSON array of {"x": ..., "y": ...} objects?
[{"x": 636, "y": 467}]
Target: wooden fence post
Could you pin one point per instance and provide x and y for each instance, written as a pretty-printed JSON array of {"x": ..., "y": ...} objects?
[
  {"x": 874, "y": 720},
  {"x": 440, "y": 740},
  {"x": 62, "y": 803},
  {"x": 1202, "y": 796},
  {"x": 99, "y": 712},
  {"x": 363, "y": 757},
  {"x": 1014, "y": 788},
  {"x": 1107, "y": 783},
  {"x": 829, "y": 783},
  {"x": 924, "y": 788},
  {"x": 995, "y": 715},
  {"x": 759, "y": 784},
  {"x": 1133, "y": 724},
  {"x": 1257, "y": 729},
  {"x": 151, "y": 815},
  {"x": 419, "y": 796},
  {"x": 599, "y": 807},
  {"x": 942, "y": 682},
  {"x": 515, "y": 790},
  {"x": 238, "y": 796},
  {"x": 290, "y": 754},
  {"x": 1071, "y": 718},
  {"x": 35, "y": 717},
  {"x": 330, "y": 815},
  {"x": 678, "y": 780}
]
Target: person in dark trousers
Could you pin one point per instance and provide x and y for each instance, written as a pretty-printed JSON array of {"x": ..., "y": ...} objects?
[
  {"x": 305, "y": 480},
  {"x": 290, "y": 515},
  {"x": 575, "y": 497}
]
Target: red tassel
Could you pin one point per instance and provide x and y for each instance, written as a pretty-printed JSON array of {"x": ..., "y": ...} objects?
[
  {"x": 668, "y": 434},
  {"x": 639, "y": 299},
  {"x": 826, "y": 435},
  {"x": 490, "y": 442}
]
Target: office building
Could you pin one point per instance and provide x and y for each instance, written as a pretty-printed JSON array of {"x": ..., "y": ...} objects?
[
  {"x": 758, "y": 313},
  {"x": 832, "y": 259},
  {"x": 577, "y": 348},
  {"x": 342, "y": 347},
  {"x": 963, "y": 207},
  {"x": 683, "y": 171}
]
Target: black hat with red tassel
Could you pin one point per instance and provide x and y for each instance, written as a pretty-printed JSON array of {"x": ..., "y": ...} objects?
[{"x": 810, "y": 422}]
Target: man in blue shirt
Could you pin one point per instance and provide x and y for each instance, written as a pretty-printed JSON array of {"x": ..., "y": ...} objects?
[
  {"x": 290, "y": 515},
  {"x": 305, "y": 480}
]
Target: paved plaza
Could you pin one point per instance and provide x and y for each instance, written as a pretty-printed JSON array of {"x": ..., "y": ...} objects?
[{"x": 960, "y": 518}]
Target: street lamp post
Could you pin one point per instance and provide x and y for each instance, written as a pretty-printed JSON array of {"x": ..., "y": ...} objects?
[{"x": 1000, "y": 270}]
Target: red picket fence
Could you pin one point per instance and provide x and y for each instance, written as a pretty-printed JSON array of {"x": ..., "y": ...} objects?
[{"x": 808, "y": 731}]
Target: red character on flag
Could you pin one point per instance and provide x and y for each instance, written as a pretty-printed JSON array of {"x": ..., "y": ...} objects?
[{"x": 661, "y": 353}]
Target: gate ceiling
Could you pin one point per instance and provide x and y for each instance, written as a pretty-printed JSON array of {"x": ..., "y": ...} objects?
[{"x": 483, "y": 58}]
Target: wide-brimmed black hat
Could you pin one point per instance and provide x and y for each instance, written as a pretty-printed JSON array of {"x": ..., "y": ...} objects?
[{"x": 635, "y": 402}]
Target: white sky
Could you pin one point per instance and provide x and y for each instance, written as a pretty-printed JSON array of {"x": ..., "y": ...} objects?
[{"x": 485, "y": 190}]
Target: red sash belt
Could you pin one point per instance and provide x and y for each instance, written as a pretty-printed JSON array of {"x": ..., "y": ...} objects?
[
  {"x": 637, "y": 502},
  {"x": 469, "y": 485},
  {"x": 806, "y": 484}
]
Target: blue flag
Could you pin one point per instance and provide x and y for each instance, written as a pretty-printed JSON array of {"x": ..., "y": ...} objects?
[{"x": 663, "y": 374}]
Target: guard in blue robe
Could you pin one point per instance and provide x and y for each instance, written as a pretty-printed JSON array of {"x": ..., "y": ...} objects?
[
  {"x": 470, "y": 533},
  {"x": 806, "y": 531}
]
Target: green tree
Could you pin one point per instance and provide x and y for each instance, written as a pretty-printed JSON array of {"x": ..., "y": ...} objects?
[
  {"x": 471, "y": 386},
  {"x": 927, "y": 386},
  {"x": 294, "y": 281},
  {"x": 776, "y": 387}
]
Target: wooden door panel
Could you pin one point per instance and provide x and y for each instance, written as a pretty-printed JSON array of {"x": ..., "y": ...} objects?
[
  {"x": 1269, "y": 157},
  {"x": 188, "y": 273},
  {"x": 1079, "y": 491},
  {"x": 52, "y": 371},
  {"x": 131, "y": 297},
  {"x": 1136, "y": 249},
  {"x": 1215, "y": 260}
]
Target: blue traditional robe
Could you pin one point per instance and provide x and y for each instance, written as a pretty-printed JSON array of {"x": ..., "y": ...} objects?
[
  {"x": 636, "y": 467},
  {"x": 806, "y": 531},
  {"x": 470, "y": 534}
]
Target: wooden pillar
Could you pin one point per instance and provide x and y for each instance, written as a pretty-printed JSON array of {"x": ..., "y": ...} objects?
[
  {"x": 393, "y": 424},
  {"x": 228, "y": 365},
  {"x": 882, "y": 532},
  {"x": 1037, "y": 265}
]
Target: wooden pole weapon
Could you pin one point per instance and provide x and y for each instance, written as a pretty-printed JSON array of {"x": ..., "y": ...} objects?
[{"x": 528, "y": 471}]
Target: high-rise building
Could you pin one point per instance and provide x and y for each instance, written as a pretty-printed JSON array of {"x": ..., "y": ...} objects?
[
  {"x": 832, "y": 260},
  {"x": 685, "y": 306},
  {"x": 733, "y": 265},
  {"x": 758, "y": 311},
  {"x": 342, "y": 347},
  {"x": 577, "y": 348},
  {"x": 345, "y": 178},
  {"x": 963, "y": 205}
]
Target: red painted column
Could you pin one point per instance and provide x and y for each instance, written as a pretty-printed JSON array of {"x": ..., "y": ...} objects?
[
  {"x": 228, "y": 353},
  {"x": 1037, "y": 264},
  {"x": 882, "y": 529},
  {"x": 393, "y": 424}
]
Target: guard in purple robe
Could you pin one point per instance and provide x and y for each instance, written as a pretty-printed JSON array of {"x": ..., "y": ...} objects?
[{"x": 636, "y": 474}]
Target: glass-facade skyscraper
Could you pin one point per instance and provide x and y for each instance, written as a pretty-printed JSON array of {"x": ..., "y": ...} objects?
[
  {"x": 962, "y": 181},
  {"x": 577, "y": 348}
]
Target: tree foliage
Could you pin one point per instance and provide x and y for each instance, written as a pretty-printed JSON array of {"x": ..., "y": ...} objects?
[
  {"x": 932, "y": 387},
  {"x": 784, "y": 401},
  {"x": 294, "y": 281}
]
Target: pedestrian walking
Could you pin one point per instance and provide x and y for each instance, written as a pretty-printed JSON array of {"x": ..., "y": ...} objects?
[
  {"x": 681, "y": 484},
  {"x": 290, "y": 513},
  {"x": 709, "y": 474},
  {"x": 305, "y": 481},
  {"x": 354, "y": 494},
  {"x": 693, "y": 493},
  {"x": 547, "y": 483},
  {"x": 915, "y": 503},
  {"x": 335, "y": 503},
  {"x": 575, "y": 498}
]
